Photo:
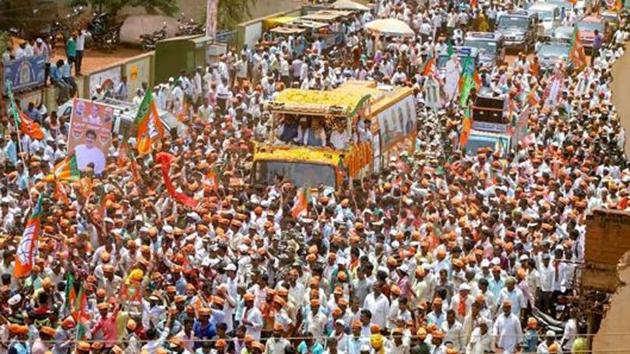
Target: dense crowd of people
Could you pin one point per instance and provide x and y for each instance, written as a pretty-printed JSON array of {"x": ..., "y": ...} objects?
[{"x": 442, "y": 252}]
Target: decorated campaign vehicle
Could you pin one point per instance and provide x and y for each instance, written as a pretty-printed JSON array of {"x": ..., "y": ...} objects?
[
  {"x": 328, "y": 137},
  {"x": 492, "y": 126}
]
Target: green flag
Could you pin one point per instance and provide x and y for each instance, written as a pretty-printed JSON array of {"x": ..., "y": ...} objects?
[
  {"x": 466, "y": 80},
  {"x": 70, "y": 293},
  {"x": 449, "y": 49}
]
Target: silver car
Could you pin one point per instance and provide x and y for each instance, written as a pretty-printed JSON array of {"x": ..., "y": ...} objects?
[
  {"x": 551, "y": 53},
  {"x": 563, "y": 34},
  {"x": 549, "y": 16}
]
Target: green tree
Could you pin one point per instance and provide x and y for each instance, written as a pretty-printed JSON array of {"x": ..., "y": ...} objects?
[
  {"x": 28, "y": 17},
  {"x": 4, "y": 41},
  {"x": 233, "y": 12},
  {"x": 168, "y": 7}
]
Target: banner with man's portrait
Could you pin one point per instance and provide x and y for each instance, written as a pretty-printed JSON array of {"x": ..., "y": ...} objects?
[{"x": 90, "y": 134}]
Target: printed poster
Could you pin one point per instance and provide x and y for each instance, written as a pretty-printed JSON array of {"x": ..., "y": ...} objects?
[
  {"x": 107, "y": 80},
  {"x": 90, "y": 134}
]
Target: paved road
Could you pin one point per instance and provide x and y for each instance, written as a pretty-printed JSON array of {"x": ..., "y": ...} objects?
[{"x": 614, "y": 335}]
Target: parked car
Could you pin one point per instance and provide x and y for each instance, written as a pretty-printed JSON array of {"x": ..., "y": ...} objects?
[
  {"x": 549, "y": 16},
  {"x": 125, "y": 114},
  {"x": 565, "y": 7},
  {"x": 552, "y": 52},
  {"x": 519, "y": 30},
  {"x": 489, "y": 45},
  {"x": 563, "y": 33},
  {"x": 587, "y": 27},
  {"x": 611, "y": 18}
]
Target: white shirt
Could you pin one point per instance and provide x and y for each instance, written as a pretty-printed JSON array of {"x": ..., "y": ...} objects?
[
  {"x": 570, "y": 333},
  {"x": 81, "y": 41},
  {"x": 479, "y": 343},
  {"x": 546, "y": 278},
  {"x": 254, "y": 316},
  {"x": 340, "y": 140},
  {"x": 508, "y": 332},
  {"x": 379, "y": 307},
  {"x": 86, "y": 155},
  {"x": 454, "y": 334}
]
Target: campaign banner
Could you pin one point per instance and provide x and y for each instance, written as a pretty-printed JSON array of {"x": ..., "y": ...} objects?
[
  {"x": 397, "y": 122},
  {"x": 90, "y": 133},
  {"x": 25, "y": 73},
  {"x": 490, "y": 127}
]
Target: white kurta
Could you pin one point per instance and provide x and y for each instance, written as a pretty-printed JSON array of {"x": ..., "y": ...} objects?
[{"x": 508, "y": 332}]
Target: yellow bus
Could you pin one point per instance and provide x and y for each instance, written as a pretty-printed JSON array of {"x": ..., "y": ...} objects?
[{"x": 365, "y": 125}]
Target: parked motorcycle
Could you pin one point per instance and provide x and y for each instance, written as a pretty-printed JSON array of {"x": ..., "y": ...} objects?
[
  {"x": 149, "y": 41},
  {"x": 104, "y": 32},
  {"x": 188, "y": 27}
]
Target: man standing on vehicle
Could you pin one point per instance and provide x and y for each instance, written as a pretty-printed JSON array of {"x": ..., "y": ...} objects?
[{"x": 597, "y": 45}]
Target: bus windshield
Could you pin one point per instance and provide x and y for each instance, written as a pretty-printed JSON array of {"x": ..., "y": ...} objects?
[{"x": 300, "y": 174}]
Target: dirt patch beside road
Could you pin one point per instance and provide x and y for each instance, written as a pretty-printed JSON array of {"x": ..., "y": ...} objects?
[
  {"x": 621, "y": 72},
  {"x": 614, "y": 334}
]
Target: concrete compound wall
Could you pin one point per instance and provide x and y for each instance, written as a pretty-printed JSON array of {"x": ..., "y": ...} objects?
[{"x": 141, "y": 68}]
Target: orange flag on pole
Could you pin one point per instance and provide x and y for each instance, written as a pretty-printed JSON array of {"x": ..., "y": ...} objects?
[
  {"x": 576, "y": 53},
  {"x": 28, "y": 244},
  {"x": 147, "y": 116}
]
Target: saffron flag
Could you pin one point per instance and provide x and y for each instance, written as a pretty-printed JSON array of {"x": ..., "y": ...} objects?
[
  {"x": 22, "y": 121},
  {"x": 60, "y": 193},
  {"x": 213, "y": 178},
  {"x": 66, "y": 170},
  {"x": 429, "y": 67},
  {"x": 29, "y": 127},
  {"x": 532, "y": 98},
  {"x": 28, "y": 244},
  {"x": 576, "y": 53},
  {"x": 165, "y": 159},
  {"x": 466, "y": 128},
  {"x": 301, "y": 203},
  {"x": 80, "y": 314},
  {"x": 147, "y": 117}
]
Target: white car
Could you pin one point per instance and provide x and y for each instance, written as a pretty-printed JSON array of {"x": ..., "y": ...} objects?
[{"x": 549, "y": 16}]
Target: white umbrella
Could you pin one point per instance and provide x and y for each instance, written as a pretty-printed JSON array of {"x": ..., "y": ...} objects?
[
  {"x": 390, "y": 27},
  {"x": 349, "y": 5}
]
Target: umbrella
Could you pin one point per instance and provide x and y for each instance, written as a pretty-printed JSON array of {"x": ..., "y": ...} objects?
[
  {"x": 390, "y": 27},
  {"x": 349, "y": 5}
]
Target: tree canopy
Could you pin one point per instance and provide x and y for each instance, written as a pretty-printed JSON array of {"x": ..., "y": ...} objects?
[
  {"x": 232, "y": 12},
  {"x": 167, "y": 7}
]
